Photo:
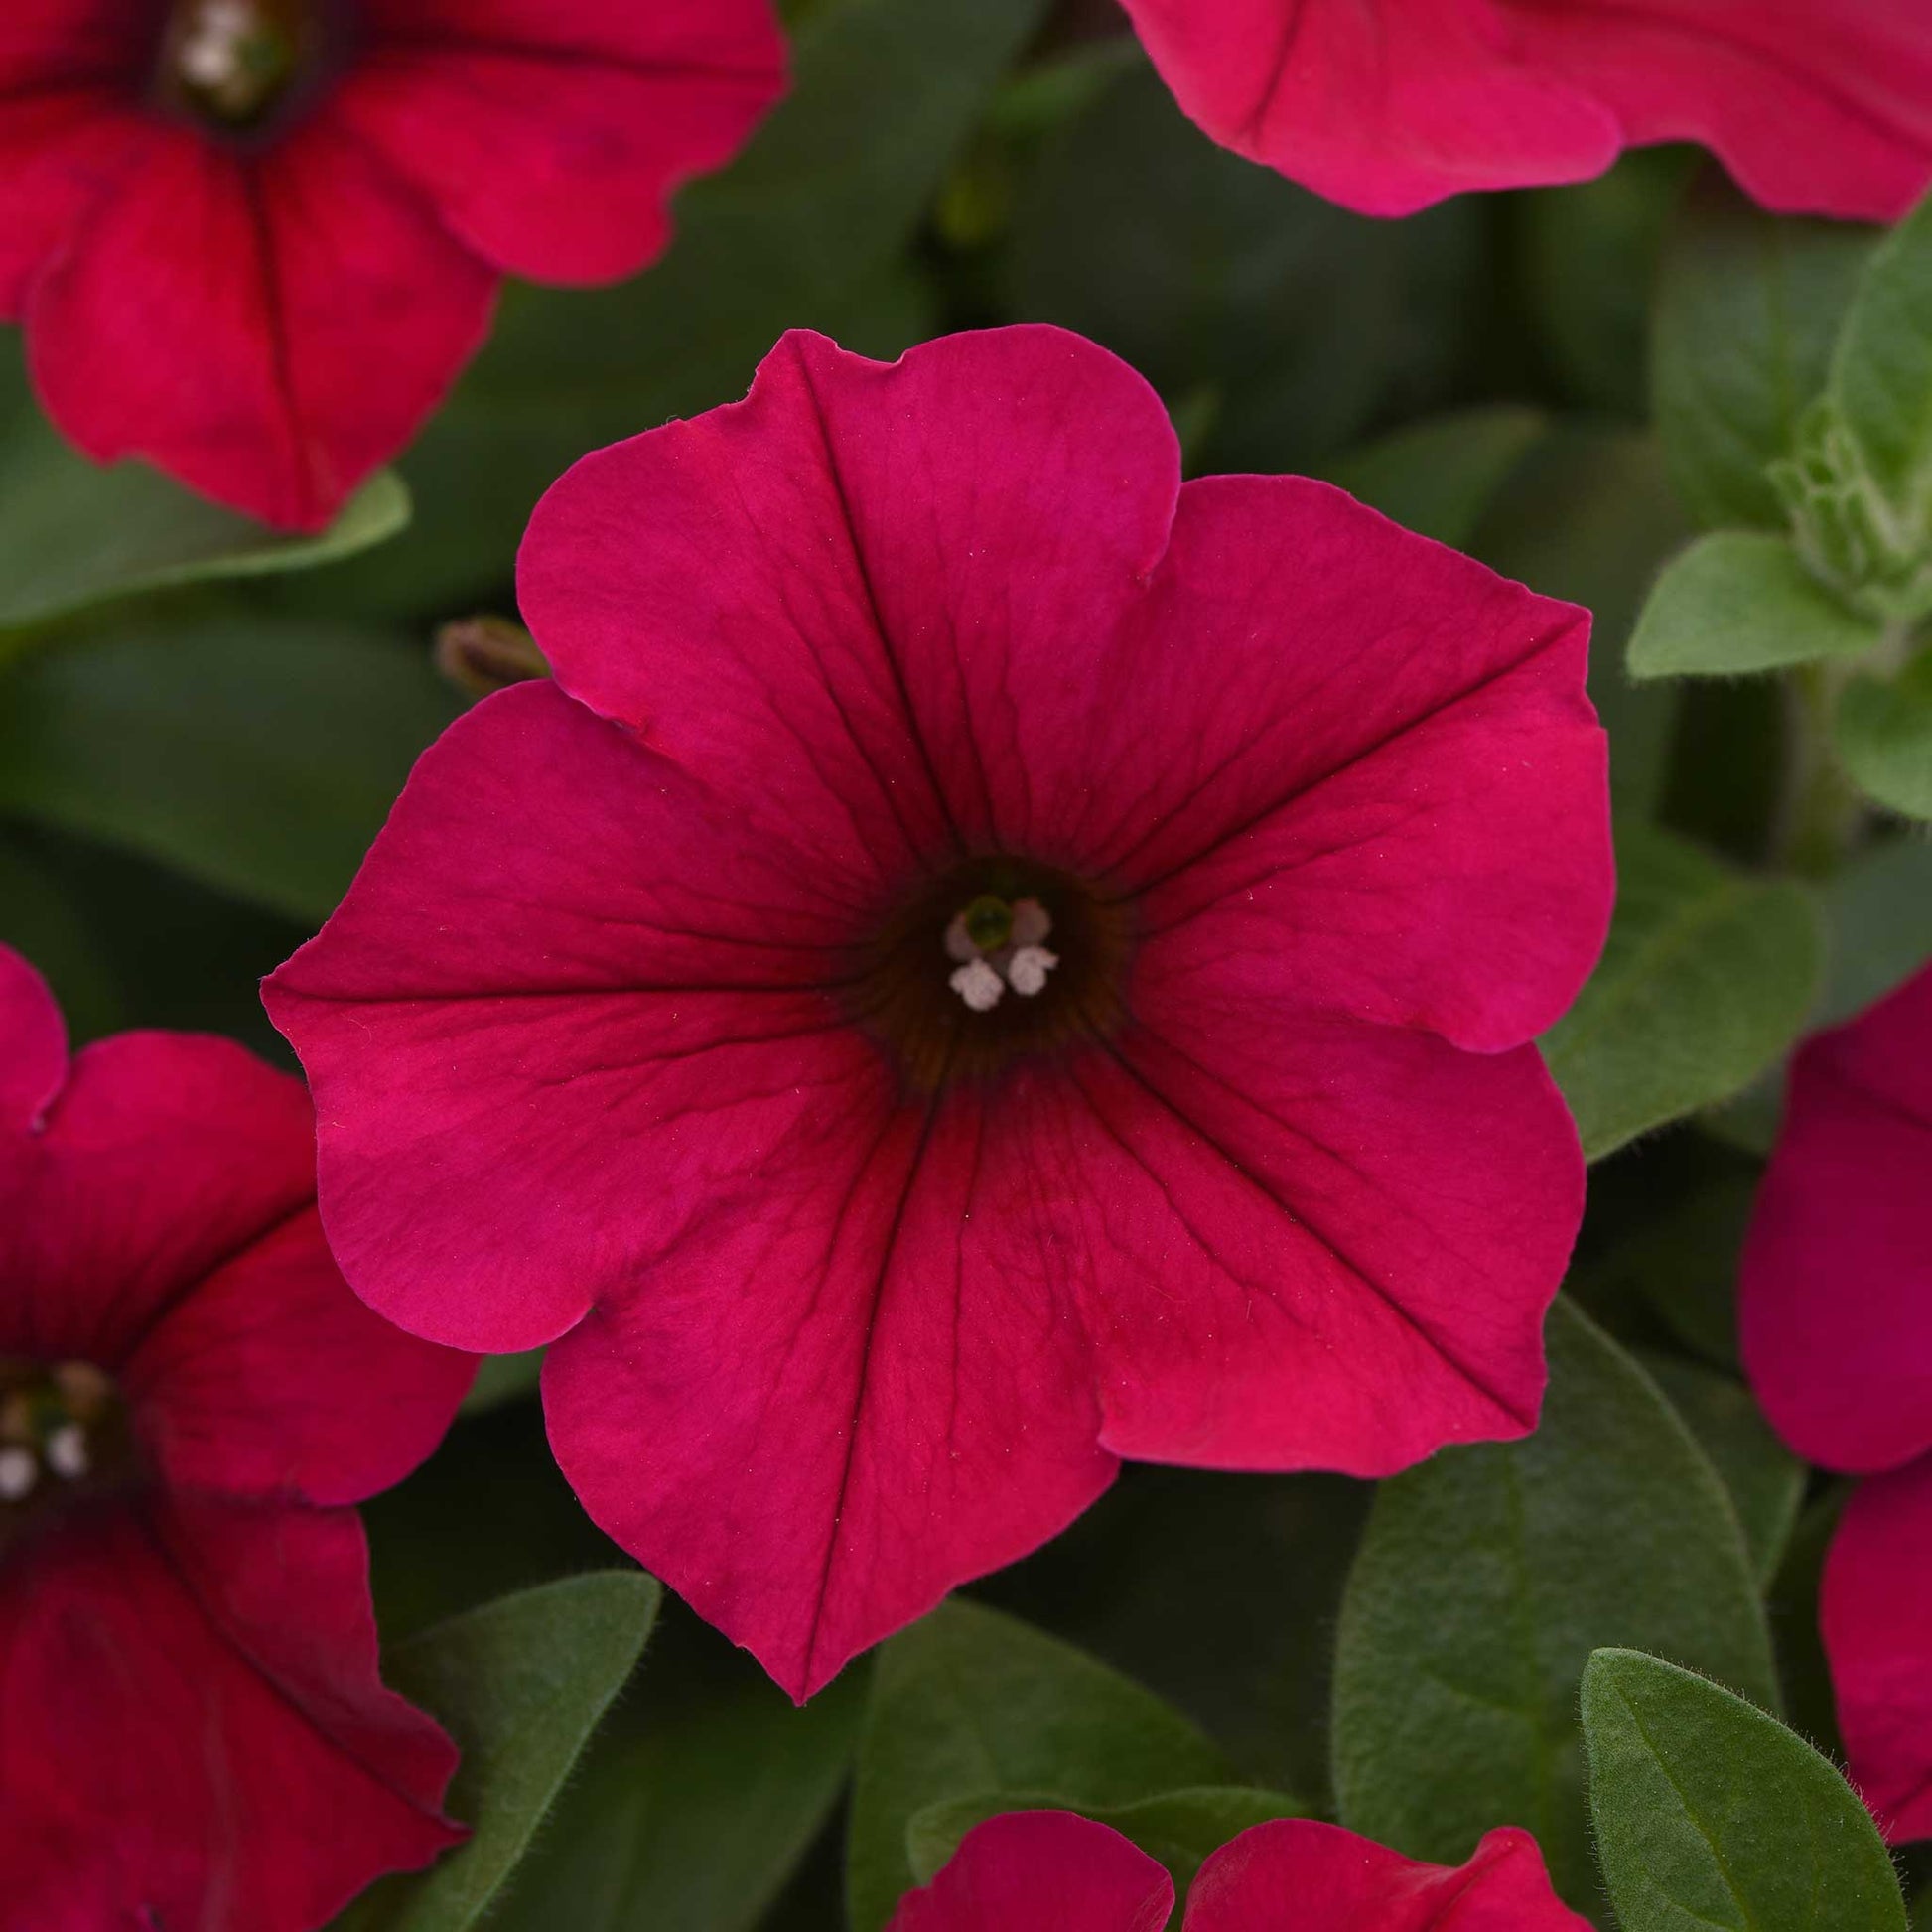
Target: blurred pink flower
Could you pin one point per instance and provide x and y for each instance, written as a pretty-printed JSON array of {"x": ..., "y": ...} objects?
[
  {"x": 1837, "y": 1326},
  {"x": 985, "y": 962},
  {"x": 195, "y": 1731},
  {"x": 255, "y": 240},
  {"x": 1815, "y": 107}
]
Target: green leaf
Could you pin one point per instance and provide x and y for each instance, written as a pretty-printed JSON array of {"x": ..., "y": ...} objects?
[
  {"x": 72, "y": 533},
  {"x": 1741, "y": 600},
  {"x": 970, "y": 1703},
  {"x": 40, "y": 920},
  {"x": 1439, "y": 476},
  {"x": 520, "y": 1685},
  {"x": 696, "y": 1801},
  {"x": 1883, "y": 732},
  {"x": 1765, "y": 1481},
  {"x": 1878, "y": 913},
  {"x": 260, "y": 757},
  {"x": 1180, "y": 1827},
  {"x": 1747, "y": 311},
  {"x": 805, "y": 228},
  {"x": 1706, "y": 979},
  {"x": 1138, "y": 231},
  {"x": 1711, "y": 1814},
  {"x": 1487, "y": 1578},
  {"x": 503, "y": 1378},
  {"x": 1589, "y": 515}
]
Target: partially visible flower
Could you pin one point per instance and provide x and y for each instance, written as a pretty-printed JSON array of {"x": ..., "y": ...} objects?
[
  {"x": 1056, "y": 1871},
  {"x": 255, "y": 240},
  {"x": 1835, "y": 1315},
  {"x": 983, "y": 962},
  {"x": 192, "y": 1730},
  {"x": 1815, "y": 107}
]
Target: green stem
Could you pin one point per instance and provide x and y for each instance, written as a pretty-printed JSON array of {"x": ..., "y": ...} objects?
[{"x": 1822, "y": 817}]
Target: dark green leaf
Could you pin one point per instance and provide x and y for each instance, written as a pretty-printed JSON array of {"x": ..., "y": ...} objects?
[
  {"x": 1487, "y": 1578},
  {"x": 1587, "y": 515},
  {"x": 1749, "y": 309},
  {"x": 970, "y": 1703},
  {"x": 40, "y": 920},
  {"x": 1878, "y": 914},
  {"x": 260, "y": 757},
  {"x": 72, "y": 533},
  {"x": 1138, "y": 231},
  {"x": 696, "y": 1801},
  {"x": 1439, "y": 476},
  {"x": 804, "y": 228},
  {"x": 1765, "y": 1481},
  {"x": 1708, "y": 1813},
  {"x": 1883, "y": 732},
  {"x": 520, "y": 1685},
  {"x": 1741, "y": 600},
  {"x": 503, "y": 1378},
  {"x": 1180, "y": 1827},
  {"x": 1707, "y": 978}
]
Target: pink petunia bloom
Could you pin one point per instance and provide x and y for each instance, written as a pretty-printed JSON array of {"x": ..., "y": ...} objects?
[
  {"x": 1836, "y": 1318},
  {"x": 984, "y": 963},
  {"x": 195, "y": 1731},
  {"x": 255, "y": 240},
  {"x": 1815, "y": 107},
  {"x": 1056, "y": 1871}
]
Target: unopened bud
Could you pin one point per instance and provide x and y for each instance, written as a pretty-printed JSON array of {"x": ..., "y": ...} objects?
[{"x": 483, "y": 654}]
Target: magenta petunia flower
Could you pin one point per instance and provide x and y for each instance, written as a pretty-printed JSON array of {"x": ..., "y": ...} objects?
[
  {"x": 254, "y": 240},
  {"x": 985, "y": 962},
  {"x": 1815, "y": 107},
  {"x": 195, "y": 1731},
  {"x": 1836, "y": 1317},
  {"x": 1056, "y": 1871}
]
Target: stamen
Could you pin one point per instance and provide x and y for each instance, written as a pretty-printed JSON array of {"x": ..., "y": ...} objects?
[
  {"x": 67, "y": 1451},
  {"x": 1026, "y": 970},
  {"x": 977, "y": 985},
  {"x": 20, "y": 1470},
  {"x": 232, "y": 61}
]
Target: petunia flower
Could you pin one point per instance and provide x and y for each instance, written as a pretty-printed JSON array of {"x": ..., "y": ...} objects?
[
  {"x": 1836, "y": 1321},
  {"x": 255, "y": 240},
  {"x": 985, "y": 962},
  {"x": 195, "y": 1733},
  {"x": 1056, "y": 1871},
  {"x": 1815, "y": 107}
]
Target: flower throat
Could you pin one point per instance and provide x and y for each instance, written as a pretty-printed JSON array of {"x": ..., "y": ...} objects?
[
  {"x": 232, "y": 64},
  {"x": 63, "y": 1438}
]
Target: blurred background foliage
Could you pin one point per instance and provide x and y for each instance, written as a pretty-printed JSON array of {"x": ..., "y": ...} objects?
[{"x": 202, "y": 726}]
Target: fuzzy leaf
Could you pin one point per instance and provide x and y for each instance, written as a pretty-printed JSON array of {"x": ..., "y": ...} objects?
[
  {"x": 520, "y": 1685},
  {"x": 1883, "y": 732},
  {"x": 1741, "y": 600},
  {"x": 1747, "y": 311},
  {"x": 1711, "y": 1814},
  {"x": 970, "y": 1703},
  {"x": 1706, "y": 979},
  {"x": 1485, "y": 1582}
]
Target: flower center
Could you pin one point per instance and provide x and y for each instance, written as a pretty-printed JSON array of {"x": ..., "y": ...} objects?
[
  {"x": 232, "y": 62},
  {"x": 960, "y": 982},
  {"x": 64, "y": 1436}
]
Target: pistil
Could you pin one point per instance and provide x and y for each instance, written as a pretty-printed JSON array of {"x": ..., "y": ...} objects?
[{"x": 997, "y": 945}]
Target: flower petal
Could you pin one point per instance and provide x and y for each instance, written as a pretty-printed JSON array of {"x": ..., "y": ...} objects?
[
  {"x": 217, "y": 314},
  {"x": 1330, "y": 1880},
  {"x": 1876, "y": 1613},
  {"x": 606, "y": 962},
  {"x": 1380, "y": 106},
  {"x": 33, "y": 1046},
  {"x": 861, "y": 1387},
  {"x": 840, "y": 602},
  {"x": 1357, "y": 769},
  {"x": 1815, "y": 106},
  {"x": 62, "y": 145},
  {"x": 194, "y": 1700},
  {"x": 549, "y": 133},
  {"x": 1836, "y": 1283},
  {"x": 1316, "y": 1244},
  {"x": 1042, "y": 1871}
]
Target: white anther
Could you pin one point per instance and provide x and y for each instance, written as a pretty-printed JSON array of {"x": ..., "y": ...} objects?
[
  {"x": 959, "y": 942},
  {"x": 210, "y": 54},
  {"x": 67, "y": 1451},
  {"x": 1026, "y": 970},
  {"x": 977, "y": 985},
  {"x": 19, "y": 1471},
  {"x": 1032, "y": 922}
]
